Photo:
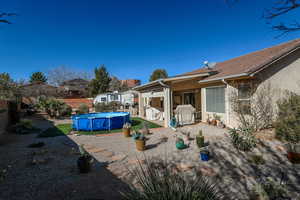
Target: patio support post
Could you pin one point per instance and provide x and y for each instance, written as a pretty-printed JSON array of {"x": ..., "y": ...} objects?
[
  {"x": 141, "y": 105},
  {"x": 167, "y": 105}
]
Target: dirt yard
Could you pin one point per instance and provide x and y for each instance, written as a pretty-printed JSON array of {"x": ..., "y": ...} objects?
[{"x": 50, "y": 172}]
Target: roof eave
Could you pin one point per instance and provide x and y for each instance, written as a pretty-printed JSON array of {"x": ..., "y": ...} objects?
[
  {"x": 224, "y": 78},
  {"x": 160, "y": 81}
]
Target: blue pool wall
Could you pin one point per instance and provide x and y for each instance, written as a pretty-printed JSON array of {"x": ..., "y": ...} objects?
[{"x": 100, "y": 121}]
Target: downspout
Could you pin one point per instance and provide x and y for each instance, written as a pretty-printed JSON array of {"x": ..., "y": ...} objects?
[{"x": 227, "y": 103}]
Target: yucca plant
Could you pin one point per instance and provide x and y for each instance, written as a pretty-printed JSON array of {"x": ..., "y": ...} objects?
[{"x": 158, "y": 181}]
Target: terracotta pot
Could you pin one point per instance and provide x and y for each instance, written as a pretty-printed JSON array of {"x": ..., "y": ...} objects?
[
  {"x": 293, "y": 157},
  {"x": 214, "y": 122},
  {"x": 126, "y": 132},
  {"x": 140, "y": 145}
]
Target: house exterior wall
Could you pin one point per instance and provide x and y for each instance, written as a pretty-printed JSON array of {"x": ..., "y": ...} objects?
[
  {"x": 283, "y": 75},
  {"x": 280, "y": 76}
]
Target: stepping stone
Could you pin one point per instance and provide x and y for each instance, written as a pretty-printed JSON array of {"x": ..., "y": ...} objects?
[
  {"x": 118, "y": 157},
  {"x": 96, "y": 150},
  {"x": 88, "y": 147},
  {"x": 207, "y": 171},
  {"x": 135, "y": 161},
  {"x": 185, "y": 166},
  {"x": 280, "y": 148},
  {"x": 107, "y": 153}
]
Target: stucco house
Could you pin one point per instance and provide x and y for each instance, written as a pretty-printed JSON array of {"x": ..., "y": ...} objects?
[{"x": 208, "y": 89}]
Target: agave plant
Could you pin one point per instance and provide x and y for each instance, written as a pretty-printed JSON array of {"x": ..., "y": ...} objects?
[{"x": 158, "y": 181}]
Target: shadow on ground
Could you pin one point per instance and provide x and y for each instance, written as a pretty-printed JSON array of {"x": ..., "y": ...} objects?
[
  {"x": 50, "y": 172},
  {"x": 238, "y": 175}
]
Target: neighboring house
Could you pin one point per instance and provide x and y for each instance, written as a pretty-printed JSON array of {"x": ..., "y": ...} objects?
[
  {"x": 75, "y": 88},
  {"x": 128, "y": 98},
  {"x": 131, "y": 82},
  {"x": 208, "y": 89}
]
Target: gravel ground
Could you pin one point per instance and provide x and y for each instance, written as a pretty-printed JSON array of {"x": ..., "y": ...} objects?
[
  {"x": 228, "y": 167},
  {"x": 50, "y": 172}
]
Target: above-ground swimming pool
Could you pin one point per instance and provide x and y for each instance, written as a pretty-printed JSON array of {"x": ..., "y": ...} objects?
[{"x": 100, "y": 121}]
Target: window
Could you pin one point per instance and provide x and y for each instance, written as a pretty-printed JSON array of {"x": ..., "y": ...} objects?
[
  {"x": 103, "y": 99},
  {"x": 114, "y": 97},
  {"x": 244, "y": 95},
  {"x": 215, "y": 99}
]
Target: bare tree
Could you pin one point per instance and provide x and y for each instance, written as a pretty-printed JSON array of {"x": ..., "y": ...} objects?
[
  {"x": 255, "y": 108},
  {"x": 58, "y": 75},
  {"x": 280, "y": 8}
]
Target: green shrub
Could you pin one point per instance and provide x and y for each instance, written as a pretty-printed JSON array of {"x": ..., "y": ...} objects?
[
  {"x": 243, "y": 139},
  {"x": 102, "y": 107},
  {"x": 65, "y": 110},
  {"x": 109, "y": 107},
  {"x": 53, "y": 107},
  {"x": 114, "y": 106},
  {"x": 257, "y": 159},
  {"x": 83, "y": 109},
  {"x": 158, "y": 180},
  {"x": 287, "y": 126},
  {"x": 270, "y": 189}
]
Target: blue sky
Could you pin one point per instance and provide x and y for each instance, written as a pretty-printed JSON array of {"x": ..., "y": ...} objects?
[{"x": 131, "y": 37}]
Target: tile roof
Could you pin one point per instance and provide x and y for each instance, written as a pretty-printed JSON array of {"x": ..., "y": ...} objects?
[{"x": 250, "y": 62}]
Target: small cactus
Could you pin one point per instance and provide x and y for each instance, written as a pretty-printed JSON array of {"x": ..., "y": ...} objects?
[{"x": 200, "y": 139}]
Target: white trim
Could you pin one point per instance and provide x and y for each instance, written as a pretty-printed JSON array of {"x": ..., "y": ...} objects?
[
  {"x": 224, "y": 77},
  {"x": 216, "y": 86},
  {"x": 186, "y": 77},
  {"x": 270, "y": 63},
  {"x": 161, "y": 81}
]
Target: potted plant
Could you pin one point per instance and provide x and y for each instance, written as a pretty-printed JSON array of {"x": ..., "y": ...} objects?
[
  {"x": 287, "y": 125},
  {"x": 126, "y": 129},
  {"x": 221, "y": 124},
  {"x": 180, "y": 143},
  {"x": 140, "y": 141},
  {"x": 214, "y": 120},
  {"x": 204, "y": 155},
  {"x": 218, "y": 119},
  {"x": 84, "y": 161},
  {"x": 200, "y": 140},
  {"x": 293, "y": 153}
]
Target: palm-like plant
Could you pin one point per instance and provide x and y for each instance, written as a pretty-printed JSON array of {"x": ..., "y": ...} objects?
[{"x": 157, "y": 181}]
